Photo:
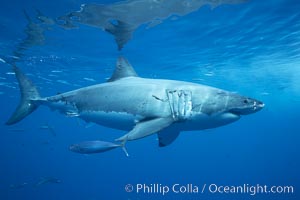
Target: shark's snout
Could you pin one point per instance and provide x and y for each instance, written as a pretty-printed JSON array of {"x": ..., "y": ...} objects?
[
  {"x": 255, "y": 107},
  {"x": 258, "y": 105},
  {"x": 245, "y": 106}
]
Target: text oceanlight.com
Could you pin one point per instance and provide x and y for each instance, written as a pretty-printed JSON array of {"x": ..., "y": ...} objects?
[{"x": 156, "y": 188}]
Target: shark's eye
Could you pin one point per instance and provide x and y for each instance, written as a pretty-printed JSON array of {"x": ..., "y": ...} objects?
[{"x": 246, "y": 101}]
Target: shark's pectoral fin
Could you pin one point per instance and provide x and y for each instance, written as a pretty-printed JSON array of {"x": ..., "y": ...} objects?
[
  {"x": 167, "y": 136},
  {"x": 146, "y": 128}
]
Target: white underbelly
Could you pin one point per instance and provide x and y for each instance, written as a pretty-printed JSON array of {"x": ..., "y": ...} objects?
[
  {"x": 116, "y": 120},
  {"x": 203, "y": 121}
]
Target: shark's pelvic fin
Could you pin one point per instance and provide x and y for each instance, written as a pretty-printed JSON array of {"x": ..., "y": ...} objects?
[
  {"x": 29, "y": 93},
  {"x": 167, "y": 136},
  {"x": 123, "y": 70},
  {"x": 146, "y": 128}
]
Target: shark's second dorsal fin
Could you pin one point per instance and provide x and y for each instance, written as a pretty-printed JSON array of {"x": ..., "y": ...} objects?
[{"x": 123, "y": 69}]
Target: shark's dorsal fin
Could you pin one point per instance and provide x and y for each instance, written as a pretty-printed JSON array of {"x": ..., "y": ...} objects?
[{"x": 123, "y": 69}]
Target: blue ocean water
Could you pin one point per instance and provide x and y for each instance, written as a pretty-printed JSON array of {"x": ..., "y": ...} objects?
[{"x": 251, "y": 48}]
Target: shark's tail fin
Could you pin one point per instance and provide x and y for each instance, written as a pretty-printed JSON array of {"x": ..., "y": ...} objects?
[{"x": 29, "y": 93}]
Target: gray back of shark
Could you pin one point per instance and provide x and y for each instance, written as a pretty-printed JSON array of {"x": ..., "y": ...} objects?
[{"x": 141, "y": 106}]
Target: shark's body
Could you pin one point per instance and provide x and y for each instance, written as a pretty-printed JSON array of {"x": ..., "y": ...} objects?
[
  {"x": 121, "y": 104},
  {"x": 142, "y": 106}
]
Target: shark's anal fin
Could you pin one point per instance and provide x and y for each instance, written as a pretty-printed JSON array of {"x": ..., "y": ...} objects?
[
  {"x": 167, "y": 136},
  {"x": 146, "y": 128}
]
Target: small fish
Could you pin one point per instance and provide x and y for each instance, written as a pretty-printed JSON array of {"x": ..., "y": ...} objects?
[
  {"x": 45, "y": 180},
  {"x": 18, "y": 186},
  {"x": 97, "y": 146},
  {"x": 47, "y": 127}
]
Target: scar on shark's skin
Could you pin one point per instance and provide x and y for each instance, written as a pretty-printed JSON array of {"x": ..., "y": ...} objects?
[{"x": 160, "y": 99}]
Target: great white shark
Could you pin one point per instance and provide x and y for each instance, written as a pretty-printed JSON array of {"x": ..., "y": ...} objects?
[{"x": 140, "y": 106}]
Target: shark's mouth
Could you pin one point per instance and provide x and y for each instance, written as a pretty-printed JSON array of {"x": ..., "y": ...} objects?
[
  {"x": 235, "y": 112},
  {"x": 242, "y": 111},
  {"x": 180, "y": 102}
]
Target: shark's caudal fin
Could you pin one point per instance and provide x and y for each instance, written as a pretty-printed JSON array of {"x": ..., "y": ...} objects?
[{"x": 29, "y": 93}]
